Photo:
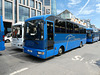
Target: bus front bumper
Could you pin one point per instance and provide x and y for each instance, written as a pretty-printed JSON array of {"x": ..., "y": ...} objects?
[
  {"x": 35, "y": 52},
  {"x": 17, "y": 45},
  {"x": 89, "y": 40}
]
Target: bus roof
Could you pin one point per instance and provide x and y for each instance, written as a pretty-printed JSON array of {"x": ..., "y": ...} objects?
[
  {"x": 38, "y": 17},
  {"x": 19, "y": 23},
  {"x": 46, "y": 16},
  {"x": 89, "y": 28},
  {"x": 72, "y": 22}
]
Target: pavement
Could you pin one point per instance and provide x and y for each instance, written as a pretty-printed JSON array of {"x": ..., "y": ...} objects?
[{"x": 79, "y": 61}]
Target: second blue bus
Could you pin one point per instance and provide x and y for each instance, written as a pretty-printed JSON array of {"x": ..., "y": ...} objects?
[
  {"x": 47, "y": 36},
  {"x": 91, "y": 35}
]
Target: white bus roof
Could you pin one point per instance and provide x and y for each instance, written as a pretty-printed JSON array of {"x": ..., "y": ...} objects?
[{"x": 19, "y": 23}]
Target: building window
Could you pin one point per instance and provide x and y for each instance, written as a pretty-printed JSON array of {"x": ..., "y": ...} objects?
[
  {"x": 15, "y": 6},
  {"x": 53, "y": 7},
  {"x": 36, "y": 5},
  {"x": 47, "y": 2},
  {"x": 8, "y": 10},
  {"x": 39, "y": 6},
  {"x": 24, "y": 2},
  {"x": 38, "y": 13},
  {"x": 47, "y": 11},
  {"x": 27, "y": 2},
  {"x": 23, "y": 13},
  {"x": 43, "y": 10},
  {"x": 32, "y": 3},
  {"x": 0, "y": 7},
  {"x": 42, "y": 1},
  {"x": 33, "y": 13},
  {"x": 19, "y": 1}
]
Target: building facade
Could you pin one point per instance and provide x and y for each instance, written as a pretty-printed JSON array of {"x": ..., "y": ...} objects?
[
  {"x": 69, "y": 16},
  {"x": 14, "y": 11},
  {"x": 53, "y": 7},
  {"x": 49, "y": 7},
  {"x": 88, "y": 24},
  {"x": 95, "y": 29},
  {"x": 66, "y": 15}
]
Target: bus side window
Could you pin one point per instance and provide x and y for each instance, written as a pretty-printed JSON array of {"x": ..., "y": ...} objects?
[
  {"x": 82, "y": 30},
  {"x": 59, "y": 26},
  {"x": 76, "y": 28},
  {"x": 70, "y": 27}
]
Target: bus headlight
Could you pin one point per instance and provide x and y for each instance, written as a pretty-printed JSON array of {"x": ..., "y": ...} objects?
[{"x": 42, "y": 53}]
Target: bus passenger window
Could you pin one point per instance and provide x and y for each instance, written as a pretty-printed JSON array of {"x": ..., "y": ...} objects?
[
  {"x": 76, "y": 28},
  {"x": 69, "y": 27},
  {"x": 59, "y": 26},
  {"x": 81, "y": 30}
]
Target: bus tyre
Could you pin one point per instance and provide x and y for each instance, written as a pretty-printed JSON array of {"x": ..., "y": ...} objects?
[
  {"x": 60, "y": 51},
  {"x": 81, "y": 45}
]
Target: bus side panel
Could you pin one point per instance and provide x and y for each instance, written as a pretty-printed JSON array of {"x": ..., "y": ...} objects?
[
  {"x": 69, "y": 41},
  {"x": 2, "y": 47},
  {"x": 96, "y": 39},
  {"x": 73, "y": 44},
  {"x": 50, "y": 53}
]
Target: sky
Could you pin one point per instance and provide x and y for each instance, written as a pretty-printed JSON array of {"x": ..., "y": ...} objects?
[{"x": 83, "y": 9}]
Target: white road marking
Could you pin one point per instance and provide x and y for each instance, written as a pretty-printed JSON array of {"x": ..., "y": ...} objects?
[
  {"x": 78, "y": 58},
  {"x": 18, "y": 71},
  {"x": 9, "y": 55},
  {"x": 15, "y": 54},
  {"x": 81, "y": 59}
]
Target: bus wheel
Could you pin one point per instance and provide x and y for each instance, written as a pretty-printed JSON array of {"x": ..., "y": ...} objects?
[
  {"x": 81, "y": 45},
  {"x": 60, "y": 51}
]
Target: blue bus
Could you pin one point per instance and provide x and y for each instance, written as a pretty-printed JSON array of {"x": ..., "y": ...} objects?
[
  {"x": 46, "y": 36},
  {"x": 91, "y": 35},
  {"x": 2, "y": 47}
]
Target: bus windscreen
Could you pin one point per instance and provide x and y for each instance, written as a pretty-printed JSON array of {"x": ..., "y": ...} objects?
[
  {"x": 34, "y": 30},
  {"x": 17, "y": 31}
]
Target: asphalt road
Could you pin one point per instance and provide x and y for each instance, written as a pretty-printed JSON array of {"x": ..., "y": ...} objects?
[{"x": 79, "y": 61}]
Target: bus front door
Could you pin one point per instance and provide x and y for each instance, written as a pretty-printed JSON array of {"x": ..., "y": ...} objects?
[{"x": 50, "y": 37}]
